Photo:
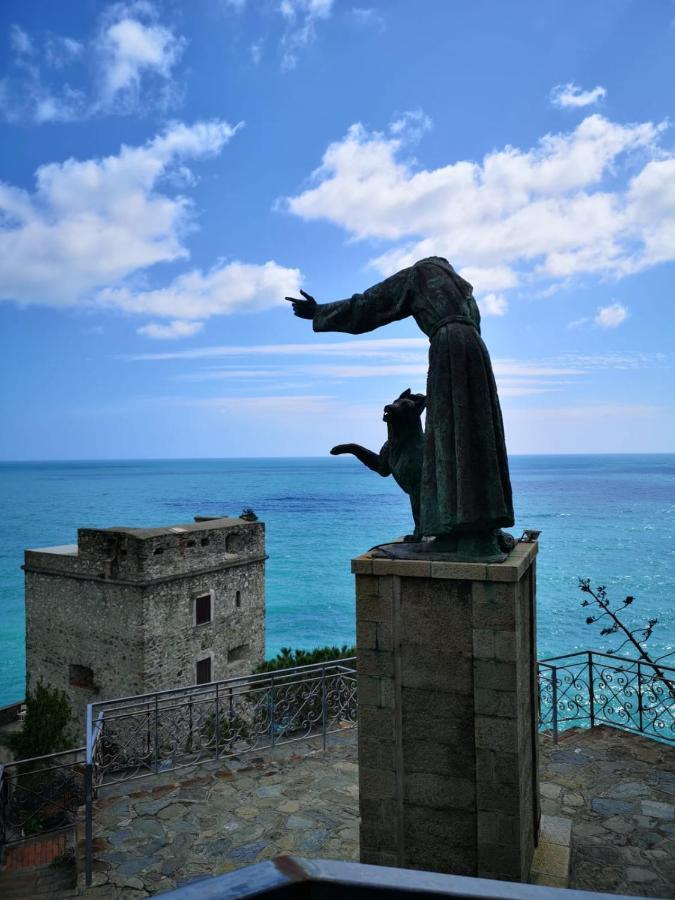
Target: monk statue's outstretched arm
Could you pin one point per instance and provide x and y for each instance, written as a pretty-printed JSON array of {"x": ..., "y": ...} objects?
[
  {"x": 388, "y": 301},
  {"x": 378, "y": 462}
]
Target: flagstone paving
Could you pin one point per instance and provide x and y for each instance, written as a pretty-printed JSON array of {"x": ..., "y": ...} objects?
[
  {"x": 617, "y": 789},
  {"x": 170, "y": 829}
]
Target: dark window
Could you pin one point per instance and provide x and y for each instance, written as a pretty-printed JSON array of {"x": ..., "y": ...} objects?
[
  {"x": 204, "y": 542},
  {"x": 190, "y": 543},
  {"x": 203, "y": 609},
  {"x": 203, "y": 670},
  {"x": 236, "y": 653},
  {"x": 158, "y": 550},
  {"x": 237, "y": 599},
  {"x": 81, "y": 676}
]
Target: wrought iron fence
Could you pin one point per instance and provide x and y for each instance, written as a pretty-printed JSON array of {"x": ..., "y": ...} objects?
[
  {"x": 599, "y": 688},
  {"x": 136, "y": 736},
  {"x": 41, "y": 794},
  {"x": 133, "y": 737}
]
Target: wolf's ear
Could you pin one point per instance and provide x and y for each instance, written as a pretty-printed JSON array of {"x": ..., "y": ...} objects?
[
  {"x": 420, "y": 401},
  {"x": 406, "y": 393}
]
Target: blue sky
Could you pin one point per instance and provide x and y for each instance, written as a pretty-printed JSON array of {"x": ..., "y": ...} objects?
[{"x": 169, "y": 171}]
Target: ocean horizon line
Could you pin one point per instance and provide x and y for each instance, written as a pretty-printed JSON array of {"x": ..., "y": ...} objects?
[{"x": 344, "y": 458}]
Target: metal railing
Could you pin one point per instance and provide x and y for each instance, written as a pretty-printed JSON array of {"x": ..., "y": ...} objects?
[
  {"x": 595, "y": 688},
  {"x": 41, "y": 794},
  {"x": 133, "y": 737}
]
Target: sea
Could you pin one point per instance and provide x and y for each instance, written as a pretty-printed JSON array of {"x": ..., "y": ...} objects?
[{"x": 608, "y": 518}]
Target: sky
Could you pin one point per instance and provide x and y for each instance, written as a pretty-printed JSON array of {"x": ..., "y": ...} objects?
[{"x": 169, "y": 171}]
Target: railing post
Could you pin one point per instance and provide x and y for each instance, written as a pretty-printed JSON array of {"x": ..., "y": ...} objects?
[
  {"x": 554, "y": 700},
  {"x": 271, "y": 710},
  {"x": 591, "y": 688},
  {"x": 324, "y": 705},
  {"x": 190, "y": 725},
  {"x": 156, "y": 733},
  {"x": 4, "y": 793},
  {"x": 217, "y": 729},
  {"x": 88, "y": 801},
  {"x": 640, "y": 707}
]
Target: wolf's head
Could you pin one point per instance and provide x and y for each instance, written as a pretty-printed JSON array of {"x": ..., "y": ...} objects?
[{"x": 405, "y": 410}]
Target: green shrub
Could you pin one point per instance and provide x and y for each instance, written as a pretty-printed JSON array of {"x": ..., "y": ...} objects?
[
  {"x": 288, "y": 658},
  {"x": 47, "y": 726}
]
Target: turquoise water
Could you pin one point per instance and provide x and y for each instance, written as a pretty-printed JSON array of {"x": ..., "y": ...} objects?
[{"x": 611, "y": 518}]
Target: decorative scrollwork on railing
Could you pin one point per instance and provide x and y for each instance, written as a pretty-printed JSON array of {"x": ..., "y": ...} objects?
[
  {"x": 599, "y": 688},
  {"x": 172, "y": 729},
  {"x": 40, "y": 795}
]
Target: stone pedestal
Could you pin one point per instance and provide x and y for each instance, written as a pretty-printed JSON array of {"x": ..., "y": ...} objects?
[{"x": 448, "y": 714}]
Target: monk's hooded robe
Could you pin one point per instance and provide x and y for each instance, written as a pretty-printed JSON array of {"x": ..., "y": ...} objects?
[{"x": 465, "y": 474}]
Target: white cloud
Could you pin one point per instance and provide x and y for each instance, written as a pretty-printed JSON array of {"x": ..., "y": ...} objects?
[
  {"x": 170, "y": 331},
  {"x": 571, "y": 95},
  {"x": 20, "y": 41},
  {"x": 90, "y": 223},
  {"x": 61, "y": 51},
  {"x": 368, "y": 17},
  {"x": 301, "y": 17},
  {"x": 225, "y": 289},
  {"x": 132, "y": 54},
  {"x": 548, "y": 212},
  {"x": 611, "y": 316},
  {"x": 130, "y": 49},
  {"x": 493, "y": 305}
]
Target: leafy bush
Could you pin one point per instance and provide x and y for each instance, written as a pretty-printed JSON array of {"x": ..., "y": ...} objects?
[
  {"x": 288, "y": 658},
  {"x": 47, "y": 726}
]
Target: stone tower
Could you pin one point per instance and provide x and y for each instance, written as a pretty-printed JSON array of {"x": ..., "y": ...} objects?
[{"x": 131, "y": 610}]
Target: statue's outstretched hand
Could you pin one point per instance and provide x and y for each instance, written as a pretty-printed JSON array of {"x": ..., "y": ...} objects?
[
  {"x": 341, "y": 448},
  {"x": 303, "y": 309}
]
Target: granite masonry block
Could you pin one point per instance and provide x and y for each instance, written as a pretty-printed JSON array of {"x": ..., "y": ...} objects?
[
  {"x": 442, "y": 705},
  {"x": 495, "y": 703},
  {"x": 367, "y": 585},
  {"x": 483, "y": 643},
  {"x": 505, "y": 646},
  {"x": 369, "y": 690},
  {"x": 455, "y": 826},
  {"x": 366, "y": 634},
  {"x": 435, "y": 615},
  {"x": 495, "y": 734},
  {"x": 432, "y": 757},
  {"x": 377, "y": 784},
  {"x": 493, "y": 675},
  {"x": 439, "y": 791},
  {"x": 378, "y": 837},
  {"x": 428, "y": 854},
  {"x": 501, "y": 798},
  {"x": 362, "y": 565},
  {"x": 376, "y": 724},
  {"x": 377, "y": 810},
  {"x": 493, "y": 606},
  {"x": 454, "y": 571},
  {"x": 375, "y": 662},
  {"x": 444, "y": 731},
  {"x": 379, "y": 754},
  {"x": 384, "y": 637},
  {"x": 436, "y": 670},
  {"x": 379, "y": 858},
  {"x": 500, "y": 862}
]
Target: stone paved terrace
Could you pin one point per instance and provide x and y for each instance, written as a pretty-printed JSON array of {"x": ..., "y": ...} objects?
[{"x": 618, "y": 789}]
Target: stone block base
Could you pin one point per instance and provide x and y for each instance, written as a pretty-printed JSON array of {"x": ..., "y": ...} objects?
[{"x": 447, "y": 714}]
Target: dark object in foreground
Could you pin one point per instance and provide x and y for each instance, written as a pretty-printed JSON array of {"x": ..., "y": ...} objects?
[
  {"x": 313, "y": 879},
  {"x": 402, "y": 452},
  {"x": 465, "y": 490}
]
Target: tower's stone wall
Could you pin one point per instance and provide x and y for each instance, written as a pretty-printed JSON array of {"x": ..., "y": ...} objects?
[
  {"x": 115, "y": 615},
  {"x": 82, "y": 622}
]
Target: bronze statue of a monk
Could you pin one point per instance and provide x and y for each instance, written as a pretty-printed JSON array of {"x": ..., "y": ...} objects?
[{"x": 466, "y": 491}]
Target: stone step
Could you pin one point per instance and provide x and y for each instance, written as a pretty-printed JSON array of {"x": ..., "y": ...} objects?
[{"x": 38, "y": 882}]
